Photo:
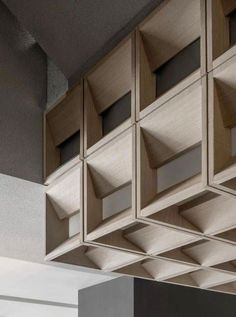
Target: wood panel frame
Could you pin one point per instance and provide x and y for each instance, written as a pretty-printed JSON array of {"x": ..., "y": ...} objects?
[
  {"x": 98, "y": 99},
  {"x": 60, "y": 122},
  {"x": 156, "y": 37},
  {"x": 218, "y": 41},
  {"x": 221, "y": 120}
]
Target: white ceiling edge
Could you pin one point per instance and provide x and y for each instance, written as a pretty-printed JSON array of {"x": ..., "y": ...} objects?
[
  {"x": 20, "y": 309},
  {"x": 52, "y": 283}
]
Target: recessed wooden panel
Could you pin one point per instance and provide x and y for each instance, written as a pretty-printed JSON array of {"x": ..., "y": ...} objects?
[
  {"x": 108, "y": 259},
  {"x": 167, "y": 133},
  {"x": 63, "y": 132},
  {"x": 64, "y": 119},
  {"x": 222, "y": 90},
  {"x": 111, "y": 168},
  {"x": 221, "y": 31},
  {"x": 111, "y": 79},
  {"x": 64, "y": 213},
  {"x": 117, "y": 113},
  {"x": 164, "y": 39},
  {"x": 178, "y": 67}
]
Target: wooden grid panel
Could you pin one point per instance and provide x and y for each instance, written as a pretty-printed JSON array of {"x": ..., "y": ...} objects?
[{"x": 171, "y": 224}]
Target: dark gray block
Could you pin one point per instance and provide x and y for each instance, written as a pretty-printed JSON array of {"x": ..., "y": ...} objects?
[
  {"x": 178, "y": 68},
  {"x": 23, "y": 88},
  {"x": 128, "y": 297},
  {"x": 69, "y": 148},
  {"x": 116, "y": 113},
  {"x": 232, "y": 27}
]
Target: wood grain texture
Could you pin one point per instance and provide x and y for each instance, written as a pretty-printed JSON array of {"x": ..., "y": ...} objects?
[
  {"x": 92, "y": 120},
  {"x": 222, "y": 90},
  {"x": 111, "y": 167},
  {"x": 92, "y": 204},
  {"x": 156, "y": 239},
  {"x": 228, "y": 6},
  {"x": 161, "y": 269},
  {"x": 65, "y": 193},
  {"x": 217, "y": 214},
  {"x": 186, "y": 233},
  {"x": 163, "y": 39},
  {"x": 218, "y": 30},
  {"x": 109, "y": 259},
  {"x": 208, "y": 253},
  {"x": 65, "y": 118},
  {"x": 52, "y": 154},
  {"x": 111, "y": 79},
  {"x": 145, "y": 78},
  {"x": 167, "y": 133}
]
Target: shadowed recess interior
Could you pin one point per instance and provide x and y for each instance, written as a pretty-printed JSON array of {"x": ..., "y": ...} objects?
[
  {"x": 177, "y": 68},
  {"x": 117, "y": 113},
  {"x": 63, "y": 130},
  {"x": 232, "y": 27}
]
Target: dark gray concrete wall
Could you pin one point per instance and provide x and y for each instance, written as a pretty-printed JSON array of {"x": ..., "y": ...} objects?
[
  {"x": 152, "y": 299},
  {"x": 77, "y": 33},
  {"x": 23, "y": 82},
  {"x": 110, "y": 299}
]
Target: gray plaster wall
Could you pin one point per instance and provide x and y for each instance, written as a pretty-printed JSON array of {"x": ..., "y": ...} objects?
[
  {"x": 57, "y": 84},
  {"x": 114, "y": 298},
  {"x": 22, "y": 219},
  {"x": 23, "y": 87}
]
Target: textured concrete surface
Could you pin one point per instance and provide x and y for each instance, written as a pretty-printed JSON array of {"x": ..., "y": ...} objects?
[
  {"x": 23, "y": 97},
  {"x": 76, "y": 33}
]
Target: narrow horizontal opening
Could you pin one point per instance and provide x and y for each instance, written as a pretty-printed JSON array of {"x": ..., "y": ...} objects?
[
  {"x": 232, "y": 27},
  {"x": 177, "y": 68},
  {"x": 116, "y": 114},
  {"x": 179, "y": 169},
  {"x": 116, "y": 202},
  {"x": 74, "y": 224},
  {"x": 233, "y": 141},
  {"x": 69, "y": 148}
]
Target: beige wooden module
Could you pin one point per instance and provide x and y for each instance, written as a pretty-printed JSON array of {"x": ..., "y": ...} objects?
[
  {"x": 60, "y": 123},
  {"x": 172, "y": 158},
  {"x": 100, "y": 258},
  {"x": 146, "y": 239},
  {"x": 64, "y": 213},
  {"x": 111, "y": 79},
  {"x": 204, "y": 279},
  {"x": 158, "y": 40},
  {"x": 186, "y": 274},
  {"x": 157, "y": 269},
  {"x": 222, "y": 126},
  {"x": 211, "y": 213},
  {"x": 218, "y": 35},
  {"x": 107, "y": 171},
  {"x": 204, "y": 253}
]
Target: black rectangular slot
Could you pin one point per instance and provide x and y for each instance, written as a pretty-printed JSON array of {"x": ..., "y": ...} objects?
[
  {"x": 69, "y": 148},
  {"x": 177, "y": 68},
  {"x": 117, "y": 113},
  {"x": 232, "y": 28}
]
